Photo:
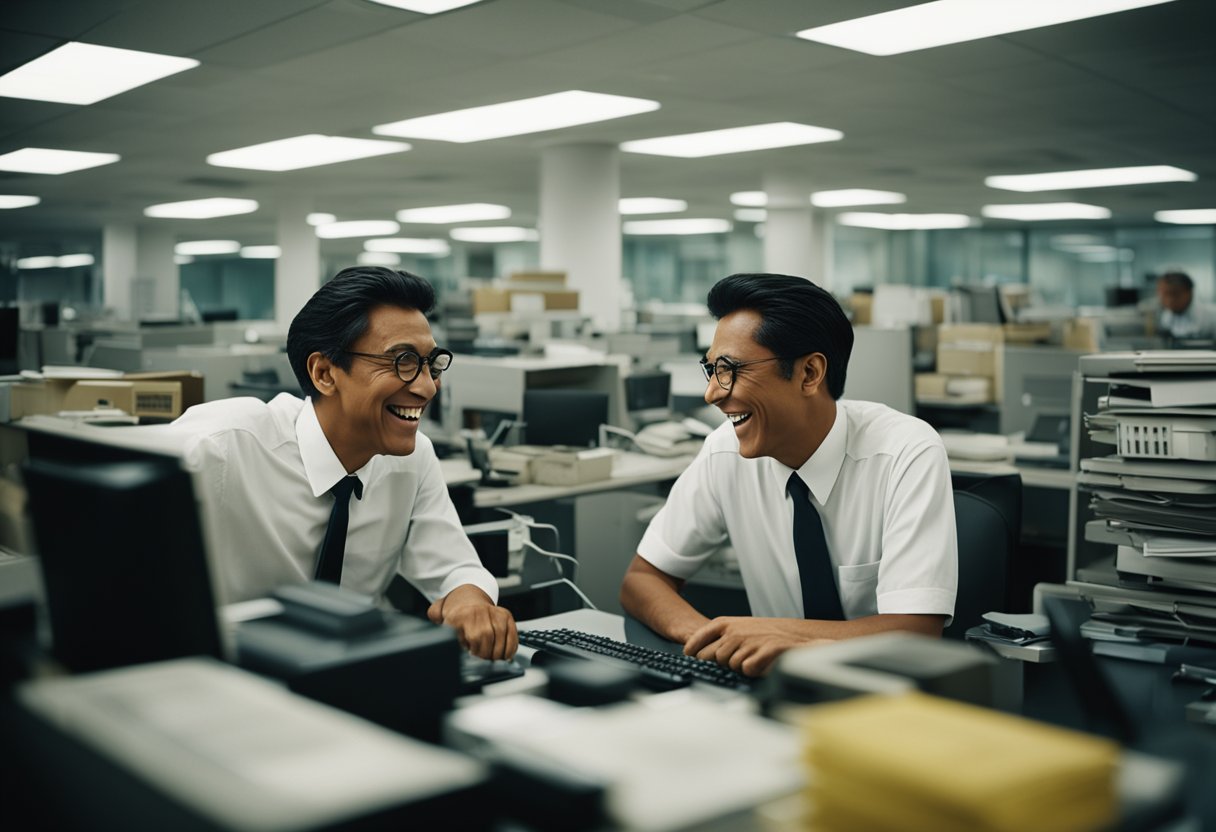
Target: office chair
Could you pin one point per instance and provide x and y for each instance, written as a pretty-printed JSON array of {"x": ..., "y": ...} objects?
[
  {"x": 261, "y": 384},
  {"x": 986, "y": 544}
]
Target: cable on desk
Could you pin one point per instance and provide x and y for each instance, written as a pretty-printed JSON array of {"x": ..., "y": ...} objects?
[
  {"x": 530, "y": 523},
  {"x": 556, "y": 556},
  {"x": 570, "y": 584}
]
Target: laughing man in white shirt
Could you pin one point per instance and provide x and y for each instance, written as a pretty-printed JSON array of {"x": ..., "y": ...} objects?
[
  {"x": 877, "y": 479},
  {"x": 363, "y": 353}
]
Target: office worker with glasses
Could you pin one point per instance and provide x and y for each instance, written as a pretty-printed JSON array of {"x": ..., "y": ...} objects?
[
  {"x": 840, "y": 512},
  {"x": 274, "y": 475}
]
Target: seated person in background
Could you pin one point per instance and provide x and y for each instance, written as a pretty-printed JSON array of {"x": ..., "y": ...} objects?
[
  {"x": 363, "y": 353},
  {"x": 1181, "y": 315},
  {"x": 841, "y": 512}
]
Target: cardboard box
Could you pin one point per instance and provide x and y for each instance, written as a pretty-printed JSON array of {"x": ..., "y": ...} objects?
[
  {"x": 970, "y": 334},
  {"x": 966, "y": 360},
  {"x": 572, "y": 466},
  {"x": 862, "y": 305},
  {"x": 547, "y": 280},
  {"x": 1027, "y": 333},
  {"x": 931, "y": 385},
  {"x": 1082, "y": 334},
  {"x": 190, "y": 380},
  {"x": 498, "y": 299},
  {"x": 145, "y": 399}
]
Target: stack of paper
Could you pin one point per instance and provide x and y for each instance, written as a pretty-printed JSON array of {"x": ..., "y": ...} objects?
[{"x": 914, "y": 761}]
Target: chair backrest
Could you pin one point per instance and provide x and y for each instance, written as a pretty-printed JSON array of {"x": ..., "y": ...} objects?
[{"x": 985, "y": 547}]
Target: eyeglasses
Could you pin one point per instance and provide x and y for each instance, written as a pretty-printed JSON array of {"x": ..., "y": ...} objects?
[
  {"x": 408, "y": 364},
  {"x": 725, "y": 370}
]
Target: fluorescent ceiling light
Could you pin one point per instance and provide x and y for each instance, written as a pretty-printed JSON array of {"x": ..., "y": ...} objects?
[
  {"x": 902, "y": 222},
  {"x": 1191, "y": 216},
  {"x": 408, "y": 245},
  {"x": 18, "y": 201},
  {"x": 182, "y": 259},
  {"x": 46, "y": 160},
  {"x": 261, "y": 252},
  {"x": 202, "y": 209},
  {"x": 1064, "y": 240},
  {"x": 443, "y": 214},
  {"x": 378, "y": 258},
  {"x": 856, "y": 196},
  {"x": 749, "y": 199},
  {"x": 494, "y": 234},
  {"x": 734, "y": 140},
  {"x": 952, "y": 21},
  {"x": 309, "y": 151},
  {"x": 1046, "y": 211},
  {"x": 650, "y": 205},
  {"x": 751, "y": 214},
  {"x": 516, "y": 118},
  {"x": 320, "y": 219},
  {"x": 357, "y": 228},
  {"x": 71, "y": 261},
  {"x": 197, "y": 247},
  {"x": 426, "y": 7},
  {"x": 680, "y": 226},
  {"x": 85, "y": 73},
  {"x": 1097, "y": 178},
  {"x": 37, "y": 262}
]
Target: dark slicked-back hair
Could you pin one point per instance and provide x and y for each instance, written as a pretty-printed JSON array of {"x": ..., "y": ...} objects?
[
  {"x": 1178, "y": 280},
  {"x": 336, "y": 316},
  {"x": 797, "y": 318}
]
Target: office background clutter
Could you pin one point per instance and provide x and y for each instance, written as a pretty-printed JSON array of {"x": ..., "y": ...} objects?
[{"x": 571, "y": 244}]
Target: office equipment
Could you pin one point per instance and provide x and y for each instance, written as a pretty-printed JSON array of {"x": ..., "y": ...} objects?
[
  {"x": 122, "y": 558},
  {"x": 897, "y": 305},
  {"x": 660, "y": 669},
  {"x": 979, "y": 304},
  {"x": 195, "y": 744},
  {"x": 564, "y": 417},
  {"x": 1122, "y": 296},
  {"x": 880, "y": 368},
  {"x": 648, "y": 396},
  {"x": 1035, "y": 381},
  {"x": 398, "y": 671}
]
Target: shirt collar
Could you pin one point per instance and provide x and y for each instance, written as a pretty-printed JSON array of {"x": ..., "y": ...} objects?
[
  {"x": 321, "y": 465},
  {"x": 821, "y": 470}
]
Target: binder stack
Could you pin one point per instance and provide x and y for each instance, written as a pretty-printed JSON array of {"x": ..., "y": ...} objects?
[{"x": 1152, "y": 497}]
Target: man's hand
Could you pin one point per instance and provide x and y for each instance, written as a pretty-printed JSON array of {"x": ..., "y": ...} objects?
[
  {"x": 748, "y": 645},
  {"x": 485, "y": 630}
]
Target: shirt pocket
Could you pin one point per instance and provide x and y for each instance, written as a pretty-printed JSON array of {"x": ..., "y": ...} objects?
[{"x": 858, "y": 584}]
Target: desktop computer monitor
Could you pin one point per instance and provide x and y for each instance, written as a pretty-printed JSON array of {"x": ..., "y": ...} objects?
[
  {"x": 1122, "y": 296},
  {"x": 980, "y": 305},
  {"x": 564, "y": 417},
  {"x": 648, "y": 396},
  {"x": 121, "y": 549}
]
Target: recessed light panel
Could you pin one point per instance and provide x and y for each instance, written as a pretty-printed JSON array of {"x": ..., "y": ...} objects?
[
  {"x": 378, "y": 258},
  {"x": 495, "y": 234},
  {"x": 734, "y": 140},
  {"x": 680, "y": 226},
  {"x": 1046, "y": 211},
  {"x": 902, "y": 222},
  {"x": 201, "y": 247},
  {"x": 1096, "y": 178},
  {"x": 751, "y": 214},
  {"x": 1191, "y": 216},
  {"x": 426, "y": 7},
  {"x": 408, "y": 245},
  {"x": 926, "y": 25},
  {"x": 17, "y": 201},
  {"x": 52, "y": 161},
  {"x": 202, "y": 209},
  {"x": 309, "y": 151},
  {"x": 29, "y": 263},
  {"x": 357, "y": 228},
  {"x": 319, "y": 218},
  {"x": 446, "y": 214},
  {"x": 749, "y": 199},
  {"x": 72, "y": 261},
  {"x": 517, "y": 118},
  {"x": 650, "y": 205},
  {"x": 261, "y": 252},
  {"x": 856, "y": 196},
  {"x": 85, "y": 73}
]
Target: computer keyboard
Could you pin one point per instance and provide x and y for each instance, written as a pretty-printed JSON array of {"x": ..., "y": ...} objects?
[{"x": 660, "y": 670}]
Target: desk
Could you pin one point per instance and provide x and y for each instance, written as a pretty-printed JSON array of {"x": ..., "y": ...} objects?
[
  {"x": 628, "y": 470},
  {"x": 1032, "y": 476}
]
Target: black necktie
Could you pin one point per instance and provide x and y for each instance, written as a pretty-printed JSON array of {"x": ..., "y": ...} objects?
[
  {"x": 329, "y": 564},
  {"x": 820, "y": 599}
]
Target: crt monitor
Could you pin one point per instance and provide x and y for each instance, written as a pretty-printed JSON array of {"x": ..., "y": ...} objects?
[
  {"x": 123, "y": 562},
  {"x": 564, "y": 417},
  {"x": 648, "y": 396}
]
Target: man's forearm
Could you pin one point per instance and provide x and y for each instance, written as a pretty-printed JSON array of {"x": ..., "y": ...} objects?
[
  {"x": 930, "y": 625},
  {"x": 658, "y": 606}
]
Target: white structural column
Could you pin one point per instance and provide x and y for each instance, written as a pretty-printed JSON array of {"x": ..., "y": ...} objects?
[
  {"x": 580, "y": 226},
  {"x": 789, "y": 238},
  {"x": 119, "y": 259},
  {"x": 297, "y": 272},
  {"x": 156, "y": 290}
]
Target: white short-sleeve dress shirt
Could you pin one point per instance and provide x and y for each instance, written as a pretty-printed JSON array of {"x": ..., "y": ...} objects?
[
  {"x": 1196, "y": 321},
  {"x": 264, "y": 471},
  {"x": 881, "y": 485}
]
